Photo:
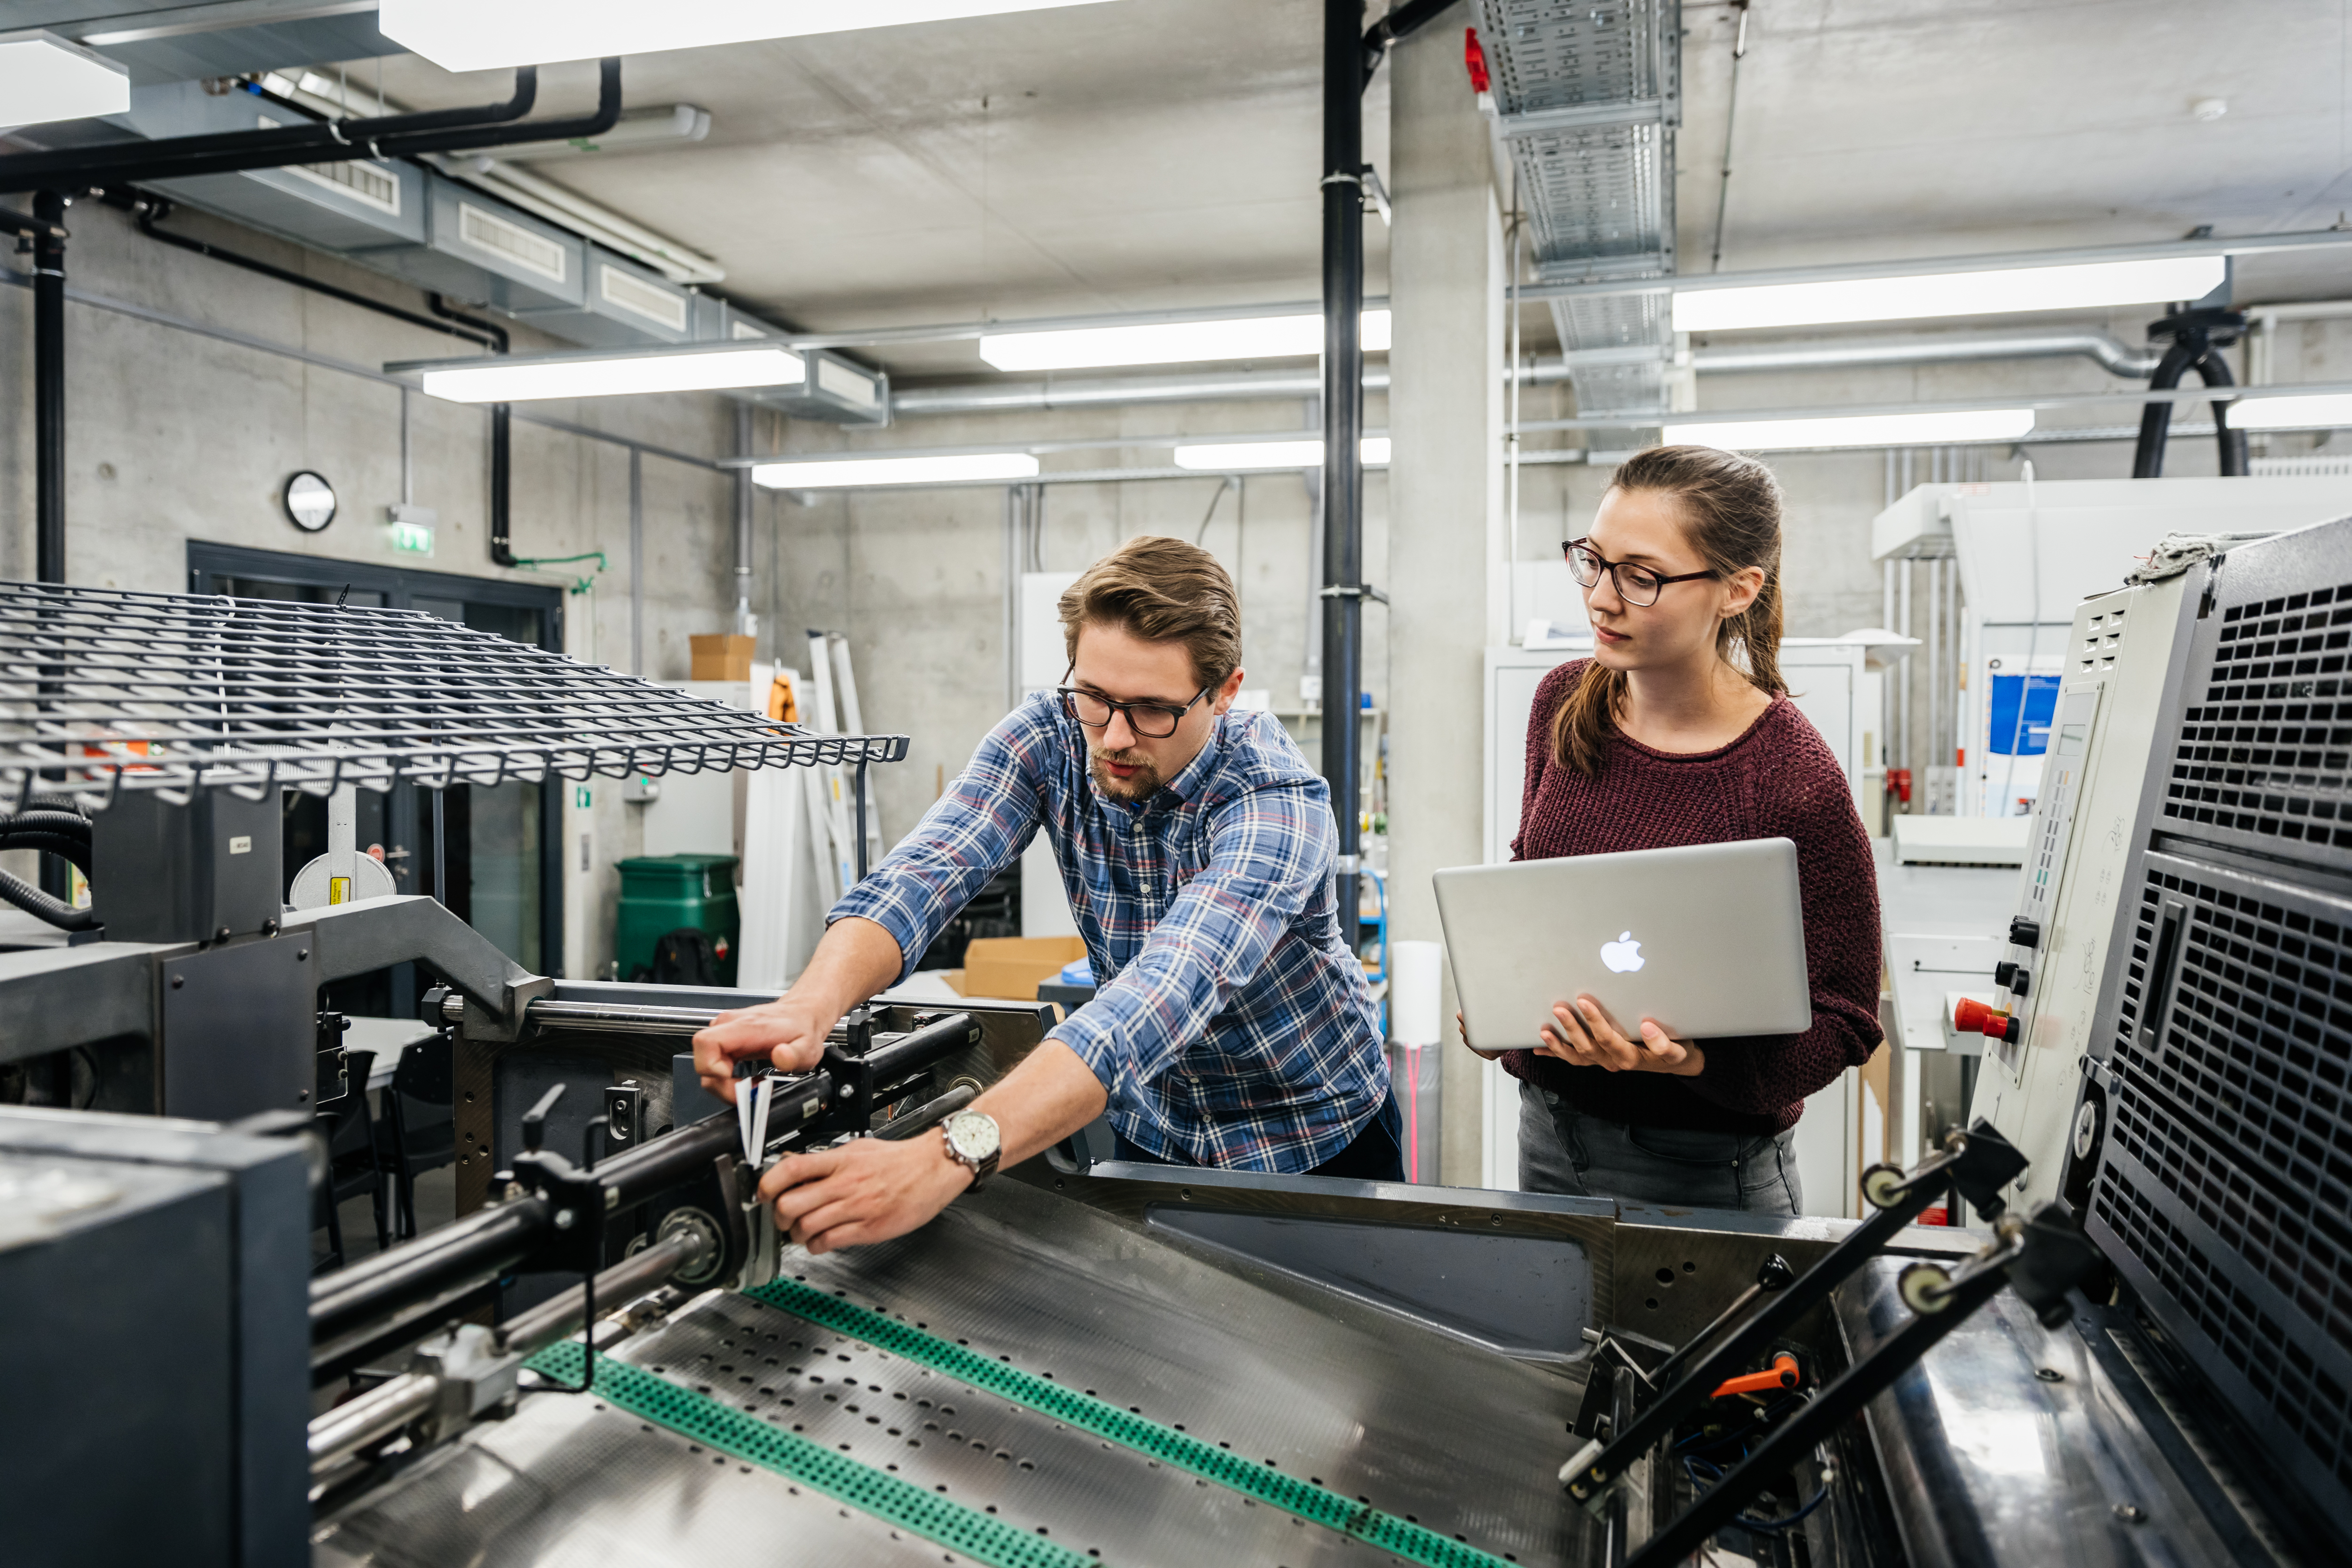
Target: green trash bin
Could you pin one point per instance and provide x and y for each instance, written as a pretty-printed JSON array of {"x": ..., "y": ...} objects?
[{"x": 662, "y": 893}]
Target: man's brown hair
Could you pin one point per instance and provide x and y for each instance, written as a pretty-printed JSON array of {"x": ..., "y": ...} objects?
[{"x": 1161, "y": 590}]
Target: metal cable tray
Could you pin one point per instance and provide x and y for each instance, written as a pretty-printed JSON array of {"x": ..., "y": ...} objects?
[{"x": 103, "y": 690}]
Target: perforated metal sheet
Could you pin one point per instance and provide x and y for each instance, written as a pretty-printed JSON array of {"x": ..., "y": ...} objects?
[
  {"x": 2223, "y": 1184},
  {"x": 1351, "y": 1400},
  {"x": 1600, "y": 197}
]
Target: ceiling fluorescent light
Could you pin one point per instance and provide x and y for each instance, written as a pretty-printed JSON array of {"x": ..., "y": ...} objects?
[
  {"x": 467, "y": 35},
  {"x": 2323, "y": 412},
  {"x": 837, "y": 473},
  {"x": 1855, "y": 430},
  {"x": 522, "y": 381},
  {"x": 1224, "y": 457},
  {"x": 43, "y": 77},
  {"x": 1171, "y": 342},
  {"x": 1989, "y": 292}
]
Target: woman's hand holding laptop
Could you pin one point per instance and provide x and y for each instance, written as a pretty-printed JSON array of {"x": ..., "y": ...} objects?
[{"x": 1585, "y": 1035}]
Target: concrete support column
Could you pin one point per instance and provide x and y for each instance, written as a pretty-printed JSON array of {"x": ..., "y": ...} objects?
[{"x": 1445, "y": 559}]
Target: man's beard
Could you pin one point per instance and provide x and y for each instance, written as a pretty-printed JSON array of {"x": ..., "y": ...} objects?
[{"x": 1143, "y": 785}]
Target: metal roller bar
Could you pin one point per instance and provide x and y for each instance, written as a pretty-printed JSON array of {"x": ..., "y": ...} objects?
[
  {"x": 632, "y": 1276},
  {"x": 346, "y": 1306},
  {"x": 371, "y": 1418},
  {"x": 479, "y": 1245}
]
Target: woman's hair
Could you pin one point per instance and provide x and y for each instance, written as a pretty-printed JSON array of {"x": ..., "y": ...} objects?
[{"x": 1730, "y": 508}]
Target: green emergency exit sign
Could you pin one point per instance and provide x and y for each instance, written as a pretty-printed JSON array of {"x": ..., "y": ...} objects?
[{"x": 413, "y": 538}]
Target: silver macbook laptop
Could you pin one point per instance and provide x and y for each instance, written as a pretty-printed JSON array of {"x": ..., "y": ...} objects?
[{"x": 1709, "y": 940}]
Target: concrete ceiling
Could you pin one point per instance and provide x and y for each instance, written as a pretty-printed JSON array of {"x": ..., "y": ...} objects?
[
  {"x": 1141, "y": 153},
  {"x": 1871, "y": 129},
  {"x": 1127, "y": 155}
]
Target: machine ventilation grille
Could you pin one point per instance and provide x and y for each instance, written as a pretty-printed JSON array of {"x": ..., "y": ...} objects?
[
  {"x": 2222, "y": 1190},
  {"x": 2266, "y": 755},
  {"x": 2293, "y": 1381},
  {"x": 638, "y": 297},
  {"x": 510, "y": 242},
  {"x": 102, "y": 691},
  {"x": 849, "y": 385},
  {"x": 363, "y": 182}
]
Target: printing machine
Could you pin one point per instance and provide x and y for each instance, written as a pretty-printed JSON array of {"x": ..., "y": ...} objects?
[{"x": 609, "y": 1358}]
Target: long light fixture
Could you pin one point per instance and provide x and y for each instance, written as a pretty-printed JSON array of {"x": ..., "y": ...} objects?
[
  {"x": 836, "y": 473},
  {"x": 1227, "y": 457},
  {"x": 1929, "y": 429},
  {"x": 605, "y": 376},
  {"x": 43, "y": 77},
  {"x": 468, "y": 35},
  {"x": 2322, "y": 411},
  {"x": 1991, "y": 291},
  {"x": 1172, "y": 343}
]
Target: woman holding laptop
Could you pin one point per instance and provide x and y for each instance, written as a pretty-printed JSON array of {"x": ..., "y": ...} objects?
[{"x": 1677, "y": 731}]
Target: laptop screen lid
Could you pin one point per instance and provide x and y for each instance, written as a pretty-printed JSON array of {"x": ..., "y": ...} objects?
[{"x": 1707, "y": 939}]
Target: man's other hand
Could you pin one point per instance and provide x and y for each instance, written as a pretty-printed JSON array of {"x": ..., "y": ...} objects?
[{"x": 867, "y": 1190}]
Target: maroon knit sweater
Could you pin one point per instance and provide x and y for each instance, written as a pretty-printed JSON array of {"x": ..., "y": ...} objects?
[{"x": 1776, "y": 781}]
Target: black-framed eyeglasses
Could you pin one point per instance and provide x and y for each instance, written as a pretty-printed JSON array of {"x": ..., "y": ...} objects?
[
  {"x": 1635, "y": 584},
  {"x": 1151, "y": 721}
]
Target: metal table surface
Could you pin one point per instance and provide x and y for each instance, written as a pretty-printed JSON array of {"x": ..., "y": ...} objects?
[{"x": 1371, "y": 1405}]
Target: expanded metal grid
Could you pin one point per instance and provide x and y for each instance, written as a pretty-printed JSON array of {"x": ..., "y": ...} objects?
[
  {"x": 2265, "y": 760},
  {"x": 103, "y": 690},
  {"x": 1600, "y": 196},
  {"x": 2224, "y": 1181}
]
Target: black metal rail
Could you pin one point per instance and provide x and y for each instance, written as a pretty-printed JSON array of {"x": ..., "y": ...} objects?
[{"x": 451, "y": 1263}]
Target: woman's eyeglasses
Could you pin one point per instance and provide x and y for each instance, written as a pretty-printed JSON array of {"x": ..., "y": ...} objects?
[
  {"x": 1151, "y": 721},
  {"x": 1636, "y": 585}
]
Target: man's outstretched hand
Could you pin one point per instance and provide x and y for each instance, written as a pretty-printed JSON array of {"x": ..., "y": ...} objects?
[
  {"x": 855, "y": 959},
  {"x": 788, "y": 1032}
]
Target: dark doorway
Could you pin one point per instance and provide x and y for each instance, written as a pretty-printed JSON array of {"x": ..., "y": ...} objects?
[{"x": 499, "y": 844}]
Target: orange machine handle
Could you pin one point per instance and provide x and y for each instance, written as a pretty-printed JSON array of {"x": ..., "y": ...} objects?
[{"x": 1781, "y": 1374}]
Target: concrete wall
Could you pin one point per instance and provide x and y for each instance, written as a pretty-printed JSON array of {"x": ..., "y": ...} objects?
[{"x": 915, "y": 577}]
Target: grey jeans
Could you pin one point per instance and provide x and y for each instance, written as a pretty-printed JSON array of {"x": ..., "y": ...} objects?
[{"x": 1563, "y": 1152}]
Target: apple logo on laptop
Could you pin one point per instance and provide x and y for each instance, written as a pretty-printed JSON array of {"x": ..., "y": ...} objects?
[{"x": 1623, "y": 955}]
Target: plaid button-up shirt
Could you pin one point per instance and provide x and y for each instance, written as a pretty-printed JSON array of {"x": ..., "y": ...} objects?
[{"x": 1232, "y": 1027}]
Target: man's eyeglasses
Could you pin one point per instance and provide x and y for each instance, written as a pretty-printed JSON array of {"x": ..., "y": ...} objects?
[
  {"x": 1635, "y": 584},
  {"x": 1151, "y": 721}
]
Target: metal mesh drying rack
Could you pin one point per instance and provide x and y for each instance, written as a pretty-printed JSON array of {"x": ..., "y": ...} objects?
[{"x": 103, "y": 690}]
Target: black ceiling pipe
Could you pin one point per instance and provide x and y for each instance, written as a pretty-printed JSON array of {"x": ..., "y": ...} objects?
[
  {"x": 501, "y": 442},
  {"x": 150, "y": 210},
  {"x": 1343, "y": 430},
  {"x": 320, "y": 142},
  {"x": 328, "y": 139},
  {"x": 2197, "y": 339},
  {"x": 1402, "y": 23}
]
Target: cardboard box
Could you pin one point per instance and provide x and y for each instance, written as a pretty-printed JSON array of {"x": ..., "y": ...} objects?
[
  {"x": 1012, "y": 967},
  {"x": 722, "y": 657}
]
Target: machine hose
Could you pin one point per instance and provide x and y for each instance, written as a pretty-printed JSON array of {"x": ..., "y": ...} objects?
[
  {"x": 64, "y": 846},
  {"x": 35, "y": 902}
]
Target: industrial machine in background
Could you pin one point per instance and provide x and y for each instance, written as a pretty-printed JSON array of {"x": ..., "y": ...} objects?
[
  {"x": 2120, "y": 667},
  {"x": 2007, "y": 562}
]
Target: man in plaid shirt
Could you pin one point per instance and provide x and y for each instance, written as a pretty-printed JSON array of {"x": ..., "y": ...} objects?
[{"x": 1232, "y": 1027}]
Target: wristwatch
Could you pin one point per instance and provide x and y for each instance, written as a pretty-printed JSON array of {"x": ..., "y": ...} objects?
[{"x": 973, "y": 1142}]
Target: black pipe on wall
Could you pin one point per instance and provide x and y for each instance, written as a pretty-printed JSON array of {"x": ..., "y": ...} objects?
[
  {"x": 49, "y": 388},
  {"x": 1343, "y": 430}
]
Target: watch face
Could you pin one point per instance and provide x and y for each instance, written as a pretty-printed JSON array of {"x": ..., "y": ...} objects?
[{"x": 972, "y": 1134}]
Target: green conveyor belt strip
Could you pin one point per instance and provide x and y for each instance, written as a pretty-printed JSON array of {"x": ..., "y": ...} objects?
[
  {"x": 1316, "y": 1505},
  {"x": 902, "y": 1503}
]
